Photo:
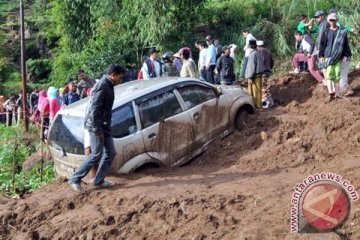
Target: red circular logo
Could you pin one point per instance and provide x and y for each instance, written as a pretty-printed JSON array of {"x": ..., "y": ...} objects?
[{"x": 325, "y": 206}]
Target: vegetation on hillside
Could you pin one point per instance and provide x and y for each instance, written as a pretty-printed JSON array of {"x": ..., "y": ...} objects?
[
  {"x": 20, "y": 150},
  {"x": 67, "y": 35}
]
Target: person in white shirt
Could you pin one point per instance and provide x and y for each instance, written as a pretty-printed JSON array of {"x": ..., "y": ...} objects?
[
  {"x": 202, "y": 60},
  {"x": 210, "y": 60},
  {"x": 152, "y": 67},
  {"x": 232, "y": 50},
  {"x": 248, "y": 36}
]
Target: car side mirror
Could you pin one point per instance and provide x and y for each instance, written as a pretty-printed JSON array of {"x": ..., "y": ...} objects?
[{"x": 218, "y": 91}]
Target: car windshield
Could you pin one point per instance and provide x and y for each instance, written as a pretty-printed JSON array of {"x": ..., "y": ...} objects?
[{"x": 66, "y": 134}]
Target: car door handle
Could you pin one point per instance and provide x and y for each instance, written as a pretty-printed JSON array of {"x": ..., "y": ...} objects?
[
  {"x": 152, "y": 136},
  {"x": 196, "y": 115}
]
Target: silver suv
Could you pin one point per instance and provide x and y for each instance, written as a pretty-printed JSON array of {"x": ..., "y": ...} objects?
[{"x": 164, "y": 121}]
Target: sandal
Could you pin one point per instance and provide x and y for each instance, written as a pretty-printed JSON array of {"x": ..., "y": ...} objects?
[{"x": 349, "y": 93}]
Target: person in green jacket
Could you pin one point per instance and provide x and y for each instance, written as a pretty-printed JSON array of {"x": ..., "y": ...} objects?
[{"x": 304, "y": 25}]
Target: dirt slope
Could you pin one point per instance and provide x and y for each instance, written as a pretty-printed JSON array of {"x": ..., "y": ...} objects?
[{"x": 239, "y": 189}]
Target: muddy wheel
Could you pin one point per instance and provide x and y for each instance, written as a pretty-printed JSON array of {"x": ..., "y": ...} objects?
[{"x": 241, "y": 119}]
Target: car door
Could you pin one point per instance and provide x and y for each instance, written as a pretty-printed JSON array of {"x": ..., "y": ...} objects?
[
  {"x": 208, "y": 111},
  {"x": 126, "y": 133},
  {"x": 167, "y": 130}
]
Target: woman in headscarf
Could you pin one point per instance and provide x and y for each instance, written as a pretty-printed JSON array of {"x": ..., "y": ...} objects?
[
  {"x": 54, "y": 102},
  {"x": 43, "y": 112}
]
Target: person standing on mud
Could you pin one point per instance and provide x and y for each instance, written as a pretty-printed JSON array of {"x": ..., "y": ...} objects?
[
  {"x": 210, "y": 60},
  {"x": 225, "y": 67},
  {"x": 247, "y": 49},
  {"x": 268, "y": 62},
  {"x": 334, "y": 49},
  {"x": 254, "y": 72},
  {"x": 98, "y": 122}
]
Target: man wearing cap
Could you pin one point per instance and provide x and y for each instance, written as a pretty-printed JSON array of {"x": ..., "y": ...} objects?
[
  {"x": 334, "y": 48},
  {"x": 345, "y": 66},
  {"x": 152, "y": 67},
  {"x": 210, "y": 60},
  {"x": 248, "y": 37},
  {"x": 268, "y": 57},
  {"x": 319, "y": 29},
  {"x": 225, "y": 67},
  {"x": 254, "y": 73}
]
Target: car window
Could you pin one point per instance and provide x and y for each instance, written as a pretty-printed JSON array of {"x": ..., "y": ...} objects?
[
  {"x": 67, "y": 134},
  {"x": 194, "y": 95},
  {"x": 158, "y": 108},
  {"x": 123, "y": 121}
]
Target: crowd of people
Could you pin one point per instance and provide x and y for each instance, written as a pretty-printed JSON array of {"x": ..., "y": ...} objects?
[
  {"x": 327, "y": 58},
  {"x": 216, "y": 65},
  {"x": 43, "y": 105}
]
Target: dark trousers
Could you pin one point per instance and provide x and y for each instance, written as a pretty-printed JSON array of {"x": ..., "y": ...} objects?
[
  {"x": 211, "y": 74},
  {"x": 99, "y": 146},
  {"x": 203, "y": 75}
]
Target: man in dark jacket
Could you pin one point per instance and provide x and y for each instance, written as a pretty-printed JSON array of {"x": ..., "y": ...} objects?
[
  {"x": 225, "y": 67},
  {"x": 98, "y": 123},
  {"x": 320, "y": 28},
  {"x": 268, "y": 57},
  {"x": 334, "y": 48},
  {"x": 254, "y": 72}
]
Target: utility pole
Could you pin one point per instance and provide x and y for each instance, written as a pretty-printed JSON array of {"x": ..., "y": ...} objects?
[{"x": 23, "y": 68}]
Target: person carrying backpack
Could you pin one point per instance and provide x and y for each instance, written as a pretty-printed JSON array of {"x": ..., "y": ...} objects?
[{"x": 225, "y": 67}]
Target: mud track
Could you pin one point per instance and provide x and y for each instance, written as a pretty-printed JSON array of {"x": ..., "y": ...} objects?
[{"x": 239, "y": 189}]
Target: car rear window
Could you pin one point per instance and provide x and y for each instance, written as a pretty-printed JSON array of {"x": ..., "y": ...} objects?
[{"x": 66, "y": 134}]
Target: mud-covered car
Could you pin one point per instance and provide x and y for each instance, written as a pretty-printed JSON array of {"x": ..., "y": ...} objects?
[{"x": 164, "y": 121}]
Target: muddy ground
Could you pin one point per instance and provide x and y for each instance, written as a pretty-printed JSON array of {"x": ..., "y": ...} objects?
[{"x": 239, "y": 189}]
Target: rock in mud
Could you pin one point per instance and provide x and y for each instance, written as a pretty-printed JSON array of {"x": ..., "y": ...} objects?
[{"x": 264, "y": 136}]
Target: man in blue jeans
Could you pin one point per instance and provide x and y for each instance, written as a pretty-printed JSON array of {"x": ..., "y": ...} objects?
[{"x": 98, "y": 122}]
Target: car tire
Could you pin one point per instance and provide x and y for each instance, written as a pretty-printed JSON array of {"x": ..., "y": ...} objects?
[{"x": 241, "y": 119}]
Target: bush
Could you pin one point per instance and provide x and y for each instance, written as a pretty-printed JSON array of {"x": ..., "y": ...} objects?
[
  {"x": 24, "y": 182},
  {"x": 39, "y": 69}
]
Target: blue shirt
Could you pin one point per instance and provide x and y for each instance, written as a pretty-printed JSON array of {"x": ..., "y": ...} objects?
[
  {"x": 211, "y": 55},
  {"x": 71, "y": 98}
]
